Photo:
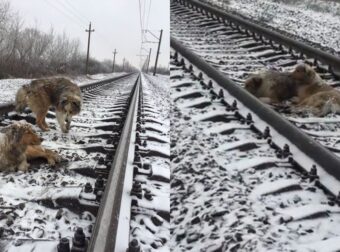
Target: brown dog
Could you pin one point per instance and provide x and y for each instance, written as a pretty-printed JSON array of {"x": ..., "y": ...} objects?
[
  {"x": 19, "y": 143},
  {"x": 40, "y": 94},
  {"x": 272, "y": 86}
]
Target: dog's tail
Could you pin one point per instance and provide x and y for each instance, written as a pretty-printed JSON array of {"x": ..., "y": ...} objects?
[{"x": 21, "y": 99}]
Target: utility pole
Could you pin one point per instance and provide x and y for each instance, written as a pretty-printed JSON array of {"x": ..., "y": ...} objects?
[
  {"x": 114, "y": 60},
  {"x": 159, "y": 45},
  {"x": 88, "y": 47},
  {"x": 123, "y": 64},
  {"x": 147, "y": 66}
]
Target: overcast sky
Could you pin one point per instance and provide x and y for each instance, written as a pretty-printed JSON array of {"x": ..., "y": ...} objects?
[{"x": 116, "y": 24}]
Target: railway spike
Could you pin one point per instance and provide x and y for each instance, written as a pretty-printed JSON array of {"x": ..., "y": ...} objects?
[
  {"x": 99, "y": 184},
  {"x": 266, "y": 133},
  {"x": 176, "y": 56},
  {"x": 286, "y": 150},
  {"x": 88, "y": 188},
  {"x": 147, "y": 166},
  {"x": 220, "y": 93},
  {"x": 134, "y": 246},
  {"x": 313, "y": 173},
  {"x": 137, "y": 190},
  {"x": 64, "y": 245},
  {"x": 79, "y": 243},
  {"x": 249, "y": 118},
  {"x": 148, "y": 195},
  {"x": 137, "y": 160},
  {"x": 234, "y": 105}
]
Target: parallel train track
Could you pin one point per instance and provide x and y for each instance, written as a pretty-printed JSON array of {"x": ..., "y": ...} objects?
[
  {"x": 237, "y": 48},
  {"x": 245, "y": 179},
  {"x": 55, "y": 209}
]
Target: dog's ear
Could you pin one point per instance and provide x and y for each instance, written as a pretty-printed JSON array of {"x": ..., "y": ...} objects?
[{"x": 257, "y": 81}]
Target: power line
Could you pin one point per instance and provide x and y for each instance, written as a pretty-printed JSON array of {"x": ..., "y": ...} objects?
[
  {"x": 64, "y": 13},
  {"x": 147, "y": 22},
  {"x": 71, "y": 11},
  {"x": 76, "y": 10}
]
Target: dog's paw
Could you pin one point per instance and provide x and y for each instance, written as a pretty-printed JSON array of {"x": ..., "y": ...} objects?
[
  {"x": 54, "y": 159},
  {"x": 23, "y": 167}
]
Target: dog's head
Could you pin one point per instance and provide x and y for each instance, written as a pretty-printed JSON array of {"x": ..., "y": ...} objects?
[
  {"x": 304, "y": 74},
  {"x": 252, "y": 84},
  {"x": 22, "y": 133},
  {"x": 70, "y": 104}
]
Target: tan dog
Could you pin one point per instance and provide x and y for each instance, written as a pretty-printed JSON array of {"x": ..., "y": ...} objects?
[
  {"x": 313, "y": 93},
  {"x": 321, "y": 103},
  {"x": 272, "y": 86},
  {"x": 19, "y": 143},
  {"x": 40, "y": 94},
  {"x": 309, "y": 82}
]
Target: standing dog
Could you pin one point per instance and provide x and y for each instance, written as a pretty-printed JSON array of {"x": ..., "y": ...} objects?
[
  {"x": 40, "y": 94},
  {"x": 19, "y": 143},
  {"x": 272, "y": 86}
]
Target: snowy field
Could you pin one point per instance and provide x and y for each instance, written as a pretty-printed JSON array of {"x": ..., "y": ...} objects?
[
  {"x": 8, "y": 87},
  {"x": 316, "y": 21}
]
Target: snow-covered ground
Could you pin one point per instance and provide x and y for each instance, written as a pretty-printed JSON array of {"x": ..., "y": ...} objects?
[
  {"x": 8, "y": 87},
  {"x": 317, "y": 21}
]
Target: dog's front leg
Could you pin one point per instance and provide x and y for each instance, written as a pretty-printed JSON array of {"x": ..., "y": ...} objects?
[
  {"x": 23, "y": 166},
  {"x": 61, "y": 117},
  {"x": 68, "y": 122}
]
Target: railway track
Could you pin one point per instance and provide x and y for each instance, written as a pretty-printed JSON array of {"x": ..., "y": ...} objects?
[
  {"x": 246, "y": 179},
  {"x": 236, "y": 48},
  {"x": 56, "y": 208},
  {"x": 237, "y": 184}
]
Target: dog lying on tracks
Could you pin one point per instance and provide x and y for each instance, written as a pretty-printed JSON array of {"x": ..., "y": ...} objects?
[
  {"x": 40, "y": 94},
  {"x": 272, "y": 86},
  {"x": 314, "y": 94},
  {"x": 303, "y": 85},
  {"x": 19, "y": 143},
  {"x": 309, "y": 82}
]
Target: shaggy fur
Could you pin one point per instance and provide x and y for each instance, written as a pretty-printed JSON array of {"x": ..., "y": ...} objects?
[
  {"x": 309, "y": 82},
  {"x": 19, "y": 143},
  {"x": 272, "y": 86},
  {"x": 314, "y": 94},
  {"x": 321, "y": 103},
  {"x": 60, "y": 93}
]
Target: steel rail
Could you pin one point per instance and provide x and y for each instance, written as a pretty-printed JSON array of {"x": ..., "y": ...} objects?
[
  {"x": 107, "y": 222},
  {"x": 302, "y": 141},
  {"x": 8, "y": 107},
  {"x": 328, "y": 59}
]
